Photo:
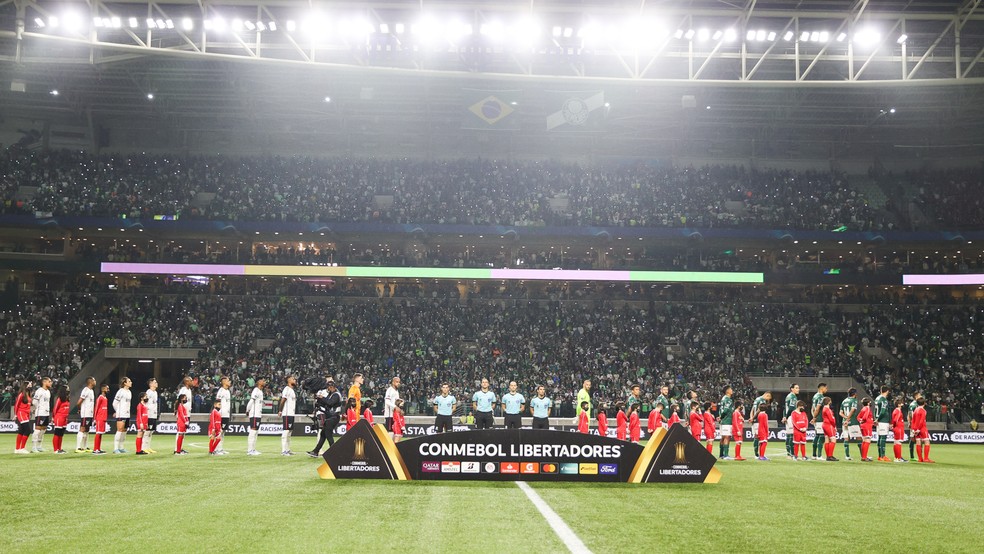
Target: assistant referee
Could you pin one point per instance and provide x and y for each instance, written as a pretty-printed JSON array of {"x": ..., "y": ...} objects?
[
  {"x": 541, "y": 409},
  {"x": 482, "y": 402},
  {"x": 513, "y": 404},
  {"x": 443, "y": 408}
]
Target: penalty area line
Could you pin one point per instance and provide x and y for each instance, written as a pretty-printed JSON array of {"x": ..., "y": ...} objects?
[{"x": 564, "y": 532}]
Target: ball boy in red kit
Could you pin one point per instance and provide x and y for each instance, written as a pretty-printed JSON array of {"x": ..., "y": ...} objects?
[
  {"x": 101, "y": 415},
  {"x": 399, "y": 423},
  {"x": 582, "y": 419},
  {"x": 696, "y": 421},
  {"x": 921, "y": 431},
  {"x": 800, "y": 423},
  {"x": 635, "y": 426},
  {"x": 367, "y": 413},
  {"x": 602, "y": 419},
  {"x": 181, "y": 419},
  {"x": 829, "y": 429},
  {"x": 898, "y": 430},
  {"x": 655, "y": 419},
  {"x": 763, "y": 422},
  {"x": 738, "y": 429},
  {"x": 143, "y": 423},
  {"x": 674, "y": 416},
  {"x": 59, "y": 419},
  {"x": 214, "y": 427},
  {"x": 709, "y": 427},
  {"x": 621, "y": 421}
]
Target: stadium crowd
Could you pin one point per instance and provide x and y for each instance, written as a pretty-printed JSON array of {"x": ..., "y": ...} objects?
[
  {"x": 700, "y": 346},
  {"x": 474, "y": 192}
]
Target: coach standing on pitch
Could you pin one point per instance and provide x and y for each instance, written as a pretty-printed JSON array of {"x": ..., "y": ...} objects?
[
  {"x": 389, "y": 402},
  {"x": 482, "y": 402}
]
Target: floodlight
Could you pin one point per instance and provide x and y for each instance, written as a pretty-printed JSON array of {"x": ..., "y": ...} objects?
[
  {"x": 788, "y": 36},
  {"x": 689, "y": 34},
  {"x": 841, "y": 37},
  {"x": 772, "y": 36},
  {"x": 730, "y": 34},
  {"x": 384, "y": 28},
  {"x": 151, "y": 24},
  {"x": 703, "y": 34},
  {"x": 272, "y": 25},
  {"x": 815, "y": 36},
  {"x": 717, "y": 34},
  {"x": 557, "y": 31},
  {"x": 187, "y": 24},
  {"x": 902, "y": 38},
  {"x": 115, "y": 22},
  {"x": 39, "y": 22},
  {"x": 760, "y": 35},
  {"x": 53, "y": 22},
  {"x": 400, "y": 28},
  {"x": 250, "y": 26},
  {"x": 568, "y": 32},
  {"x": 824, "y": 37},
  {"x": 804, "y": 36},
  {"x": 169, "y": 23},
  {"x": 133, "y": 22},
  {"x": 291, "y": 26}
]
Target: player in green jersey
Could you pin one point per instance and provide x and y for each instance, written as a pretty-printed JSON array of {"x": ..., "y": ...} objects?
[
  {"x": 664, "y": 399},
  {"x": 883, "y": 417},
  {"x": 851, "y": 429},
  {"x": 817, "y": 419},
  {"x": 725, "y": 409},
  {"x": 760, "y": 404},
  {"x": 790, "y": 406},
  {"x": 908, "y": 423}
]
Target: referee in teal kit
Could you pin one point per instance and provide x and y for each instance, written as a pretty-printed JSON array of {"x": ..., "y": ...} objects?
[
  {"x": 482, "y": 402},
  {"x": 444, "y": 406},
  {"x": 513, "y": 404},
  {"x": 541, "y": 409}
]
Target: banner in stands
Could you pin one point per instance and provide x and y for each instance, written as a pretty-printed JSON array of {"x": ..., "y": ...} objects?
[{"x": 518, "y": 455}]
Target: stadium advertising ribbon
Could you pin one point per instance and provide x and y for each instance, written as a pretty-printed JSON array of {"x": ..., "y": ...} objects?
[{"x": 366, "y": 452}]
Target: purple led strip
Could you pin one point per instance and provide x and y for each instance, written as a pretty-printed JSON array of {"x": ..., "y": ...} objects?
[
  {"x": 173, "y": 269},
  {"x": 969, "y": 279}
]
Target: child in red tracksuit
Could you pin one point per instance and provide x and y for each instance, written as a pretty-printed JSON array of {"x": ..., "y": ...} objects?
[
  {"x": 763, "y": 421},
  {"x": 582, "y": 419},
  {"x": 351, "y": 416},
  {"x": 399, "y": 423},
  {"x": 367, "y": 413},
  {"x": 655, "y": 419},
  {"x": 738, "y": 429},
  {"x": 635, "y": 426},
  {"x": 800, "y": 425},
  {"x": 214, "y": 427},
  {"x": 602, "y": 419},
  {"x": 709, "y": 427},
  {"x": 696, "y": 421},
  {"x": 181, "y": 420},
  {"x": 59, "y": 419},
  {"x": 674, "y": 416},
  {"x": 621, "y": 421},
  {"x": 143, "y": 423}
]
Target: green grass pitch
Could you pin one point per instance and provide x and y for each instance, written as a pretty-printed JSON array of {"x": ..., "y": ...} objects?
[{"x": 235, "y": 503}]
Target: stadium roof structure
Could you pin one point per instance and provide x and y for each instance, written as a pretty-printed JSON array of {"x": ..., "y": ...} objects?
[{"x": 705, "y": 77}]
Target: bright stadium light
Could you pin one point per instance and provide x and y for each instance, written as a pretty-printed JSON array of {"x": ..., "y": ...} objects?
[
  {"x": 151, "y": 24},
  {"x": 867, "y": 37},
  {"x": 568, "y": 32},
  {"x": 250, "y": 26},
  {"x": 902, "y": 38},
  {"x": 824, "y": 37},
  {"x": 760, "y": 35},
  {"x": 384, "y": 28},
  {"x": 815, "y": 36},
  {"x": 53, "y": 22},
  {"x": 161, "y": 24},
  {"x": 689, "y": 34},
  {"x": 526, "y": 32},
  {"x": 750, "y": 35},
  {"x": 291, "y": 26},
  {"x": 207, "y": 25},
  {"x": 788, "y": 36},
  {"x": 678, "y": 33},
  {"x": 717, "y": 35},
  {"x": 133, "y": 22},
  {"x": 272, "y": 25},
  {"x": 841, "y": 37},
  {"x": 187, "y": 24},
  {"x": 771, "y": 37},
  {"x": 804, "y": 36},
  {"x": 400, "y": 28},
  {"x": 150, "y": 96},
  {"x": 260, "y": 26},
  {"x": 703, "y": 34},
  {"x": 97, "y": 21},
  {"x": 54, "y": 92},
  {"x": 72, "y": 21},
  {"x": 730, "y": 35},
  {"x": 237, "y": 25},
  {"x": 39, "y": 22},
  {"x": 115, "y": 22},
  {"x": 169, "y": 23},
  {"x": 557, "y": 31}
]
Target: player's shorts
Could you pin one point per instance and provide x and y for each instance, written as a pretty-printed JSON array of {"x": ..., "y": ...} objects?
[
  {"x": 60, "y": 422},
  {"x": 142, "y": 426},
  {"x": 883, "y": 428},
  {"x": 288, "y": 423},
  {"x": 799, "y": 438},
  {"x": 789, "y": 426},
  {"x": 442, "y": 424},
  {"x": 829, "y": 431},
  {"x": 921, "y": 434},
  {"x": 181, "y": 427},
  {"x": 898, "y": 435},
  {"x": 755, "y": 430},
  {"x": 42, "y": 421},
  {"x": 513, "y": 421},
  {"x": 254, "y": 423},
  {"x": 725, "y": 431},
  {"x": 225, "y": 424},
  {"x": 25, "y": 428},
  {"x": 866, "y": 432},
  {"x": 125, "y": 420},
  {"x": 763, "y": 434},
  {"x": 483, "y": 420},
  {"x": 389, "y": 424},
  {"x": 152, "y": 424},
  {"x": 100, "y": 425},
  {"x": 737, "y": 435},
  {"x": 818, "y": 427},
  {"x": 709, "y": 433},
  {"x": 854, "y": 431},
  {"x": 541, "y": 423},
  {"x": 84, "y": 424}
]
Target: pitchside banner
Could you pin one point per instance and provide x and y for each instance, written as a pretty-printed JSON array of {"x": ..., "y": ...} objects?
[{"x": 367, "y": 452}]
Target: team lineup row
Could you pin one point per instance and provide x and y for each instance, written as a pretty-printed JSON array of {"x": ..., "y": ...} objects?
[{"x": 858, "y": 424}]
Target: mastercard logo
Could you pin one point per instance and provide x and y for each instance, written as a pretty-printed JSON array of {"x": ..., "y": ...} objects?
[{"x": 548, "y": 468}]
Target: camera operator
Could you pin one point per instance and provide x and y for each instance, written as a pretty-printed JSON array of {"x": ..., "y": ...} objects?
[{"x": 327, "y": 413}]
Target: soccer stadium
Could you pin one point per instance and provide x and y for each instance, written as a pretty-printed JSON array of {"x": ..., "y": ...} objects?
[{"x": 492, "y": 275}]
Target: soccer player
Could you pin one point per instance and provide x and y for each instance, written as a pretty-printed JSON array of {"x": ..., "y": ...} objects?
[
  {"x": 709, "y": 427},
  {"x": 866, "y": 422},
  {"x": 224, "y": 396},
  {"x": 389, "y": 402},
  {"x": 355, "y": 391},
  {"x": 761, "y": 402},
  {"x": 725, "y": 409},
  {"x": 816, "y": 412},
  {"x": 22, "y": 411},
  {"x": 790, "y": 406},
  {"x": 42, "y": 412},
  {"x": 367, "y": 413},
  {"x": 482, "y": 402},
  {"x": 153, "y": 410},
  {"x": 584, "y": 395},
  {"x": 635, "y": 426},
  {"x": 920, "y": 430},
  {"x": 621, "y": 421},
  {"x": 829, "y": 429},
  {"x": 884, "y": 418},
  {"x": 898, "y": 430},
  {"x": 582, "y": 419},
  {"x": 328, "y": 411},
  {"x": 181, "y": 418},
  {"x": 541, "y": 406},
  {"x": 514, "y": 403},
  {"x": 143, "y": 422},
  {"x": 399, "y": 424},
  {"x": 59, "y": 419},
  {"x": 688, "y": 401},
  {"x": 351, "y": 416},
  {"x": 849, "y": 414},
  {"x": 121, "y": 411},
  {"x": 287, "y": 411},
  {"x": 101, "y": 416},
  {"x": 602, "y": 418},
  {"x": 664, "y": 399},
  {"x": 85, "y": 404},
  {"x": 185, "y": 389},
  {"x": 696, "y": 421},
  {"x": 738, "y": 428},
  {"x": 254, "y": 410},
  {"x": 763, "y": 435},
  {"x": 635, "y": 396},
  {"x": 912, "y": 436},
  {"x": 800, "y": 422},
  {"x": 655, "y": 420},
  {"x": 444, "y": 405},
  {"x": 215, "y": 427}
]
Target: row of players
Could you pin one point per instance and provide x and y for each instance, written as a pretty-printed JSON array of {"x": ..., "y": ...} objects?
[{"x": 858, "y": 424}]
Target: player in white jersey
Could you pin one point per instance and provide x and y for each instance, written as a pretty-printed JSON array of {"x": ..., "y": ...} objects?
[
  {"x": 389, "y": 402},
  {"x": 86, "y": 405},
  {"x": 152, "y": 415},
  {"x": 288, "y": 408},
  {"x": 42, "y": 412},
  {"x": 121, "y": 407},
  {"x": 186, "y": 390},
  {"x": 224, "y": 396},
  {"x": 254, "y": 411}
]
